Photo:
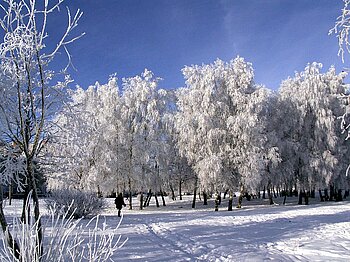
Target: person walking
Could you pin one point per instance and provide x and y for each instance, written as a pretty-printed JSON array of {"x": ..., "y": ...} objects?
[{"x": 119, "y": 203}]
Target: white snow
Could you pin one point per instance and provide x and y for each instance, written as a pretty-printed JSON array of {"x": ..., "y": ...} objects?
[{"x": 257, "y": 232}]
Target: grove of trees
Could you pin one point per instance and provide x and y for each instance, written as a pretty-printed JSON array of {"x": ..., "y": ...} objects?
[{"x": 221, "y": 132}]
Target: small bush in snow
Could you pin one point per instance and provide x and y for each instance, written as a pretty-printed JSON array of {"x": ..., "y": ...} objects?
[
  {"x": 75, "y": 203},
  {"x": 65, "y": 239}
]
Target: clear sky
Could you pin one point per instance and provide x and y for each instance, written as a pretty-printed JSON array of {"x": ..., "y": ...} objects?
[{"x": 125, "y": 36}]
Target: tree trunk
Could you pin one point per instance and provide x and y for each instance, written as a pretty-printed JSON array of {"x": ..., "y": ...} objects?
[
  {"x": 331, "y": 193},
  {"x": 339, "y": 195},
  {"x": 321, "y": 196},
  {"x": 300, "y": 200},
  {"x": 130, "y": 194},
  {"x": 306, "y": 195},
  {"x": 217, "y": 201},
  {"x": 180, "y": 189},
  {"x": 269, "y": 194},
  {"x": 313, "y": 194},
  {"x": 33, "y": 188},
  {"x": 240, "y": 199},
  {"x": 195, "y": 193},
  {"x": 173, "y": 197},
  {"x": 141, "y": 200},
  {"x": 157, "y": 202},
  {"x": 25, "y": 208},
  {"x": 10, "y": 193},
  {"x": 230, "y": 201},
  {"x": 148, "y": 198},
  {"x": 205, "y": 198},
  {"x": 326, "y": 196},
  {"x": 264, "y": 195},
  {"x": 163, "y": 199},
  {"x": 271, "y": 202}
]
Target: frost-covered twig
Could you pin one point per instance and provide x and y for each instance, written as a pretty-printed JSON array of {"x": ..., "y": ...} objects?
[{"x": 342, "y": 30}]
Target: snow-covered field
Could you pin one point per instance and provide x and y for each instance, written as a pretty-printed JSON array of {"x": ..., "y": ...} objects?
[{"x": 257, "y": 232}]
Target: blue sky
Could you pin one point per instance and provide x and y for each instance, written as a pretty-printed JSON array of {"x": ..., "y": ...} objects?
[{"x": 279, "y": 37}]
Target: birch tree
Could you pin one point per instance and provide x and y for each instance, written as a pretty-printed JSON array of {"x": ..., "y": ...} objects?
[
  {"x": 218, "y": 124},
  {"x": 140, "y": 119},
  {"x": 84, "y": 146},
  {"x": 314, "y": 97}
]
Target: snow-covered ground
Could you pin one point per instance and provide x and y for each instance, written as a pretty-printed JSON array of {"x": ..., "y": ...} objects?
[{"x": 257, "y": 232}]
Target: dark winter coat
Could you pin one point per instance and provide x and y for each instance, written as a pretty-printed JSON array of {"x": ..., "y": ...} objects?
[{"x": 119, "y": 201}]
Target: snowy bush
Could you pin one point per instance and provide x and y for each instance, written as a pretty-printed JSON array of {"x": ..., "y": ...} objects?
[
  {"x": 65, "y": 239},
  {"x": 75, "y": 203}
]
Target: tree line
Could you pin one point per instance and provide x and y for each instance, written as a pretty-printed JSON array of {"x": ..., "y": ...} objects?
[{"x": 221, "y": 132}]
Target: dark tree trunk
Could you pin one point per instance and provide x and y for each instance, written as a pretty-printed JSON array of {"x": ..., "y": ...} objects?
[
  {"x": 10, "y": 193},
  {"x": 264, "y": 196},
  {"x": 141, "y": 200},
  {"x": 339, "y": 195},
  {"x": 33, "y": 187},
  {"x": 163, "y": 199},
  {"x": 180, "y": 189},
  {"x": 205, "y": 198},
  {"x": 326, "y": 196},
  {"x": 269, "y": 194},
  {"x": 230, "y": 201},
  {"x": 300, "y": 200},
  {"x": 313, "y": 193},
  {"x": 194, "y": 194},
  {"x": 307, "y": 195},
  {"x": 331, "y": 193},
  {"x": 321, "y": 196},
  {"x": 173, "y": 197},
  {"x": 157, "y": 203},
  {"x": 148, "y": 198},
  {"x": 217, "y": 202},
  {"x": 240, "y": 199},
  {"x": 130, "y": 194}
]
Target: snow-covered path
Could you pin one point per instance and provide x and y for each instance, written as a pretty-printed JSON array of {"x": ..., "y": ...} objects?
[{"x": 319, "y": 232}]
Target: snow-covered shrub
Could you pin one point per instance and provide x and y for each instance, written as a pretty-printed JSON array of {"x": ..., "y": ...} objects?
[
  {"x": 75, "y": 203},
  {"x": 66, "y": 239}
]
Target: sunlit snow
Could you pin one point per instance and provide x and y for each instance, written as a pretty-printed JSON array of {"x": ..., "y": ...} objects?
[{"x": 257, "y": 232}]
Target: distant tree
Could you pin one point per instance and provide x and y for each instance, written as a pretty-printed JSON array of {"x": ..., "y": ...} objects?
[{"x": 27, "y": 86}]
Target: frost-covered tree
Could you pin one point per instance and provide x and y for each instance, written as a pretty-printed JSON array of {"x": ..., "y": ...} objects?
[
  {"x": 84, "y": 148},
  {"x": 218, "y": 124},
  {"x": 28, "y": 86},
  {"x": 342, "y": 29},
  {"x": 313, "y": 137},
  {"x": 141, "y": 114}
]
